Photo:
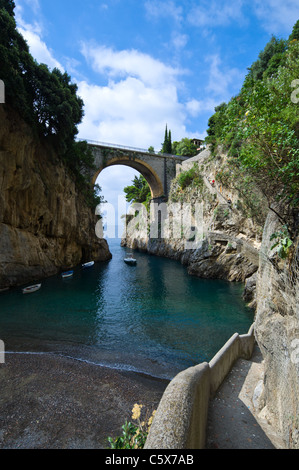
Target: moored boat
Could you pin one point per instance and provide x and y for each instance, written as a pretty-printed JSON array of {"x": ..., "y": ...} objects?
[
  {"x": 67, "y": 274},
  {"x": 88, "y": 265},
  {"x": 31, "y": 289},
  {"x": 129, "y": 259}
]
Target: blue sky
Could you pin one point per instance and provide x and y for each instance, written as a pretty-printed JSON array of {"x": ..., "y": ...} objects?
[{"x": 140, "y": 64}]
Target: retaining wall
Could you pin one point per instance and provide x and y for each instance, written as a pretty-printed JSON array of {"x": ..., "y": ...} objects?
[{"x": 181, "y": 418}]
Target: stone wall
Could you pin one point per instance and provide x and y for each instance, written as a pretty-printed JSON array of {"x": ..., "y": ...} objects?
[
  {"x": 45, "y": 225},
  {"x": 181, "y": 418}
]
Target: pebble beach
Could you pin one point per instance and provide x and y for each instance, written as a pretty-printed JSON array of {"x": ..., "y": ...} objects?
[{"x": 53, "y": 402}]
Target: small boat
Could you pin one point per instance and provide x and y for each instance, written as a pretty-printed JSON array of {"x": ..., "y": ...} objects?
[
  {"x": 129, "y": 259},
  {"x": 67, "y": 274},
  {"x": 88, "y": 265},
  {"x": 31, "y": 289}
]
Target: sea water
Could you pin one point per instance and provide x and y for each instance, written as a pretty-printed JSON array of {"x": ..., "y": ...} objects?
[{"x": 152, "y": 318}]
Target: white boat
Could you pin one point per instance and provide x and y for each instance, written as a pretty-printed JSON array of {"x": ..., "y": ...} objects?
[
  {"x": 31, "y": 289},
  {"x": 88, "y": 265},
  {"x": 67, "y": 274},
  {"x": 129, "y": 259}
]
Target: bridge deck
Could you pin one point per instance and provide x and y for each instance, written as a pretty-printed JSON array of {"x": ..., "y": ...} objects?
[{"x": 133, "y": 149}]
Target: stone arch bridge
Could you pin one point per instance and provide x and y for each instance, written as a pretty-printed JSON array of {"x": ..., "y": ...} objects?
[{"x": 157, "y": 169}]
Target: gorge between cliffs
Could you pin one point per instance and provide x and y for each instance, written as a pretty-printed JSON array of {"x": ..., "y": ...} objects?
[
  {"x": 236, "y": 246},
  {"x": 46, "y": 227}
]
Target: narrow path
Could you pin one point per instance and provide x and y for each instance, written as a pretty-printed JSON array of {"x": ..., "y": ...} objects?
[
  {"x": 214, "y": 190},
  {"x": 233, "y": 422}
]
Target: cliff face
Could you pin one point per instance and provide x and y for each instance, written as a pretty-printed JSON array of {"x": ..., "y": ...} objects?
[
  {"x": 277, "y": 333},
  {"x": 238, "y": 248},
  {"x": 45, "y": 225},
  {"x": 230, "y": 245}
]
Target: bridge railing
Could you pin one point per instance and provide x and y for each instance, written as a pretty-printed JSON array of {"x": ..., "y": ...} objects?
[{"x": 126, "y": 147}]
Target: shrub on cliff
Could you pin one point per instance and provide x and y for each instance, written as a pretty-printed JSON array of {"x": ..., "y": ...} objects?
[{"x": 259, "y": 128}]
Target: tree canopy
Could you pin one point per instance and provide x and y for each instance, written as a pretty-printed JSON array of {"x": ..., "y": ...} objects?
[{"x": 139, "y": 191}]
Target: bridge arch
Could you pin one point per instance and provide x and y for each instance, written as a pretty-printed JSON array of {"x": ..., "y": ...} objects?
[{"x": 151, "y": 176}]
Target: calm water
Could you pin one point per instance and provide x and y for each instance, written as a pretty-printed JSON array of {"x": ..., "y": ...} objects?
[{"x": 153, "y": 317}]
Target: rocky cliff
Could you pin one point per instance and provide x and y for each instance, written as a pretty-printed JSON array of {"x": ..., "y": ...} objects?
[
  {"x": 237, "y": 246},
  {"x": 45, "y": 224},
  {"x": 230, "y": 243},
  {"x": 277, "y": 333}
]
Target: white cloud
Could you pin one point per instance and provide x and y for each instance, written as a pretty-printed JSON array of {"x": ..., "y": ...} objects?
[
  {"x": 130, "y": 112},
  {"x": 216, "y": 13},
  {"x": 39, "y": 49},
  {"x": 157, "y": 9},
  {"x": 118, "y": 64},
  {"x": 140, "y": 96},
  {"x": 196, "y": 107},
  {"x": 179, "y": 41},
  {"x": 277, "y": 17},
  {"x": 223, "y": 81},
  {"x": 32, "y": 33}
]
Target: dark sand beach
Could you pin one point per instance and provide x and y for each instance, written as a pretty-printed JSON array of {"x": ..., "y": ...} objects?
[{"x": 53, "y": 402}]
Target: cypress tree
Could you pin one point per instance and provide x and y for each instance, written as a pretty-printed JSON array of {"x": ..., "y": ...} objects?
[{"x": 167, "y": 146}]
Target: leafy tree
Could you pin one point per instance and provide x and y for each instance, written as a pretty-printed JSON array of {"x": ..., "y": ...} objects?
[
  {"x": 139, "y": 191},
  {"x": 215, "y": 124},
  {"x": 8, "y": 5},
  {"x": 295, "y": 33},
  {"x": 56, "y": 106},
  {"x": 273, "y": 47},
  {"x": 267, "y": 130},
  {"x": 46, "y": 100},
  {"x": 260, "y": 128},
  {"x": 185, "y": 148}
]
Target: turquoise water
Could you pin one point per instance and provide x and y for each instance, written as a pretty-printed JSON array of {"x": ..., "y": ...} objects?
[{"x": 153, "y": 317}]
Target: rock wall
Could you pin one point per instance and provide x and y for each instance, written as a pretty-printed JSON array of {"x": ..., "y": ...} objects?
[
  {"x": 45, "y": 225},
  {"x": 230, "y": 246},
  {"x": 277, "y": 333}
]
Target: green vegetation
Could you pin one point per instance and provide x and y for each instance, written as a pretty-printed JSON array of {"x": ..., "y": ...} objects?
[
  {"x": 283, "y": 242},
  {"x": 190, "y": 177},
  {"x": 139, "y": 191},
  {"x": 134, "y": 434},
  {"x": 259, "y": 128},
  {"x": 184, "y": 147},
  {"x": 167, "y": 146},
  {"x": 46, "y": 100}
]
